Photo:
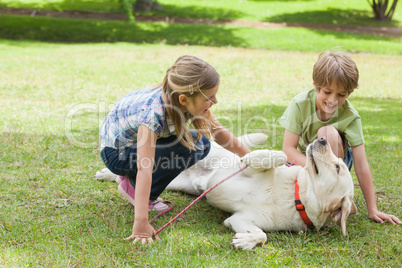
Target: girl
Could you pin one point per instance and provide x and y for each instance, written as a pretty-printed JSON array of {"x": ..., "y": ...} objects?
[{"x": 145, "y": 138}]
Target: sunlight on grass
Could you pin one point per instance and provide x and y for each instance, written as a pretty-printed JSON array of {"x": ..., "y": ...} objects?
[
  {"x": 54, "y": 215},
  {"x": 94, "y": 31},
  {"x": 312, "y": 11},
  {"x": 60, "y": 5},
  {"x": 12, "y": 257}
]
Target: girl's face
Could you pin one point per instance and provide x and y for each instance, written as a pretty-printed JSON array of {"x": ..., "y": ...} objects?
[
  {"x": 328, "y": 99},
  {"x": 200, "y": 105}
]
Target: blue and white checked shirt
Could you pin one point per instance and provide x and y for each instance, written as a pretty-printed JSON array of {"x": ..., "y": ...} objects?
[{"x": 141, "y": 107}]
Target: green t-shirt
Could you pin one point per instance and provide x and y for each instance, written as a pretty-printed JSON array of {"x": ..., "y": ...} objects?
[{"x": 300, "y": 118}]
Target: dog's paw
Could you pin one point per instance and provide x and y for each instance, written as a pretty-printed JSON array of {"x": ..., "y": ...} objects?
[
  {"x": 247, "y": 241},
  {"x": 253, "y": 139},
  {"x": 105, "y": 175},
  {"x": 264, "y": 159}
]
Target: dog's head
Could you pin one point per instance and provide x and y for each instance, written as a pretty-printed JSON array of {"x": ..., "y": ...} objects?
[{"x": 333, "y": 184}]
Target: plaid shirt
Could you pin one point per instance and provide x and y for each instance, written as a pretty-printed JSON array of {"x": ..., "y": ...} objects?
[{"x": 142, "y": 107}]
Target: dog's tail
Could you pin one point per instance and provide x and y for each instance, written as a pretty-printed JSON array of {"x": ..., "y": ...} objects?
[{"x": 251, "y": 140}]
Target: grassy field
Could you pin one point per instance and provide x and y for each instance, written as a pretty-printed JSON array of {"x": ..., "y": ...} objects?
[
  {"x": 287, "y": 38},
  {"x": 94, "y": 31},
  {"x": 53, "y": 214},
  {"x": 313, "y": 11},
  {"x": 59, "y": 78}
]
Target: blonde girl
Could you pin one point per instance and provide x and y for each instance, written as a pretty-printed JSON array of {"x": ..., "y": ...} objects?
[{"x": 147, "y": 141}]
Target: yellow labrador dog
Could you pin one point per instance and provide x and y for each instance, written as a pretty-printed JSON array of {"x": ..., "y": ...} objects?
[{"x": 269, "y": 196}]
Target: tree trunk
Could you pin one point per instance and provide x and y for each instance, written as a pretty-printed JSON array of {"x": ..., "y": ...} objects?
[
  {"x": 380, "y": 8},
  {"x": 146, "y": 6}
]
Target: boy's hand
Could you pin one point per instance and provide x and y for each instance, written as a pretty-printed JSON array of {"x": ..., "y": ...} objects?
[{"x": 380, "y": 217}]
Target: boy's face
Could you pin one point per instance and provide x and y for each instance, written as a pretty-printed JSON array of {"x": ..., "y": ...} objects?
[{"x": 329, "y": 98}]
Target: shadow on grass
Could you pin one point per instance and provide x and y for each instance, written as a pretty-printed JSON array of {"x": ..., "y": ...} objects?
[
  {"x": 245, "y": 120},
  {"x": 379, "y": 119},
  {"x": 382, "y": 135},
  {"x": 281, "y": 0},
  {"x": 84, "y": 31},
  {"x": 333, "y": 16},
  {"x": 351, "y": 36},
  {"x": 374, "y": 110},
  {"x": 198, "y": 12},
  {"x": 82, "y": 5},
  {"x": 95, "y": 31}
]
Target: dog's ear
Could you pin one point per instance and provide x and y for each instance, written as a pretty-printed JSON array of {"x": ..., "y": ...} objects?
[
  {"x": 353, "y": 209},
  {"x": 335, "y": 208},
  {"x": 340, "y": 210}
]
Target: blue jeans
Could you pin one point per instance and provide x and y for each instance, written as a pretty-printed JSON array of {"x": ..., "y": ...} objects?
[
  {"x": 171, "y": 158},
  {"x": 348, "y": 158}
]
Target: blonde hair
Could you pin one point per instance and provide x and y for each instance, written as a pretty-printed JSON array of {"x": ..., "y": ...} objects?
[
  {"x": 336, "y": 67},
  {"x": 188, "y": 75}
]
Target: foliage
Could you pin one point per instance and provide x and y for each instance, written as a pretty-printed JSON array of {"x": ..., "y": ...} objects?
[
  {"x": 146, "y": 6},
  {"x": 127, "y": 6},
  {"x": 380, "y": 9}
]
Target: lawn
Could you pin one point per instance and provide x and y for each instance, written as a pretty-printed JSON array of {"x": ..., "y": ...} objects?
[
  {"x": 285, "y": 38},
  {"x": 53, "y": 214},
  {"x": 59, "y": 78},
  {"x": 95, "y": 31},
  {"x": 312, "y": 11}
]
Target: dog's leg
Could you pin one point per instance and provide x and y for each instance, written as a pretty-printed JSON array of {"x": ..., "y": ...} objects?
[
  {"x": 252, "y": 140},
  {"x": 261, "y": 160},
  {"x": 105, "y": 175},
  {"x": 247, "y": 234}
]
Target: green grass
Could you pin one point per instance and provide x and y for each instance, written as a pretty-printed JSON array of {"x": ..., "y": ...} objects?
[
  {"x": 93, "y": 31},
  {"x": 293, "y": 39},
  {"x": 312, "y": 11},
  {"x": 53, "y": 214}
]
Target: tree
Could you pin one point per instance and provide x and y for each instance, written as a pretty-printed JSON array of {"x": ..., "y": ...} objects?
[
  {"x": 146, "y": 5},
  {"x": 139, "y": 6},
  {"x": 380, "y": 8},
  {"x": 127, "y": 7}
]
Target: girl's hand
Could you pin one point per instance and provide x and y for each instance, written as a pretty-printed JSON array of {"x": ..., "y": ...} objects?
[
  {"x": 142, "y": 232},
  {"x": 380, "y": 217}
]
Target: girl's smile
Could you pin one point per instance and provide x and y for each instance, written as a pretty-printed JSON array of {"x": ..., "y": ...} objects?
[{"x": 201, "y": 104}]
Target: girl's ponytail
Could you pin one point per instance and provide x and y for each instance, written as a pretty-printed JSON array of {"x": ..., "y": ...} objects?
[{"x": 188, "y": 75}]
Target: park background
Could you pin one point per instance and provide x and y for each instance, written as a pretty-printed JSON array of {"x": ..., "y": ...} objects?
[{"x": 61, "y": 72}]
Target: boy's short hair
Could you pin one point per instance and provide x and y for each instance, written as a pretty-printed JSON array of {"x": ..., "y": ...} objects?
[{"x": 336, "y": 67}]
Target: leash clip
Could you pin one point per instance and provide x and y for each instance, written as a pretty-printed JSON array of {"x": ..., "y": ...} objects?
[{"x": 299, "y": 205}]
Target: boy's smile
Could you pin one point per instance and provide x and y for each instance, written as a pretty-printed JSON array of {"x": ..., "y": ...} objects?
[{"x": 328, "y": 99}]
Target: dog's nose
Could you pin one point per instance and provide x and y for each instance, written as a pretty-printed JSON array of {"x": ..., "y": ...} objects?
[{"x": 323, "y": 140}]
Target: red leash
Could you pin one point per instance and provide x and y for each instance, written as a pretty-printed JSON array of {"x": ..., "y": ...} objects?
[
  {"x": 192, "y": 203},
  {"x": 164, "y": 211}
]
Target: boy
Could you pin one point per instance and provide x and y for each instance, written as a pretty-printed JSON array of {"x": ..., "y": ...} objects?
[{"x": 325, "y": 112}]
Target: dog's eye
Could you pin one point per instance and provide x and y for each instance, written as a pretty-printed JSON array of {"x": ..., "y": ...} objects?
[{"x": 337, "y": 168}]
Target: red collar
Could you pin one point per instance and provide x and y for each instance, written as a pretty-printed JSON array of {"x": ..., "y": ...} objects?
[{"x": 301, "y": 208}]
